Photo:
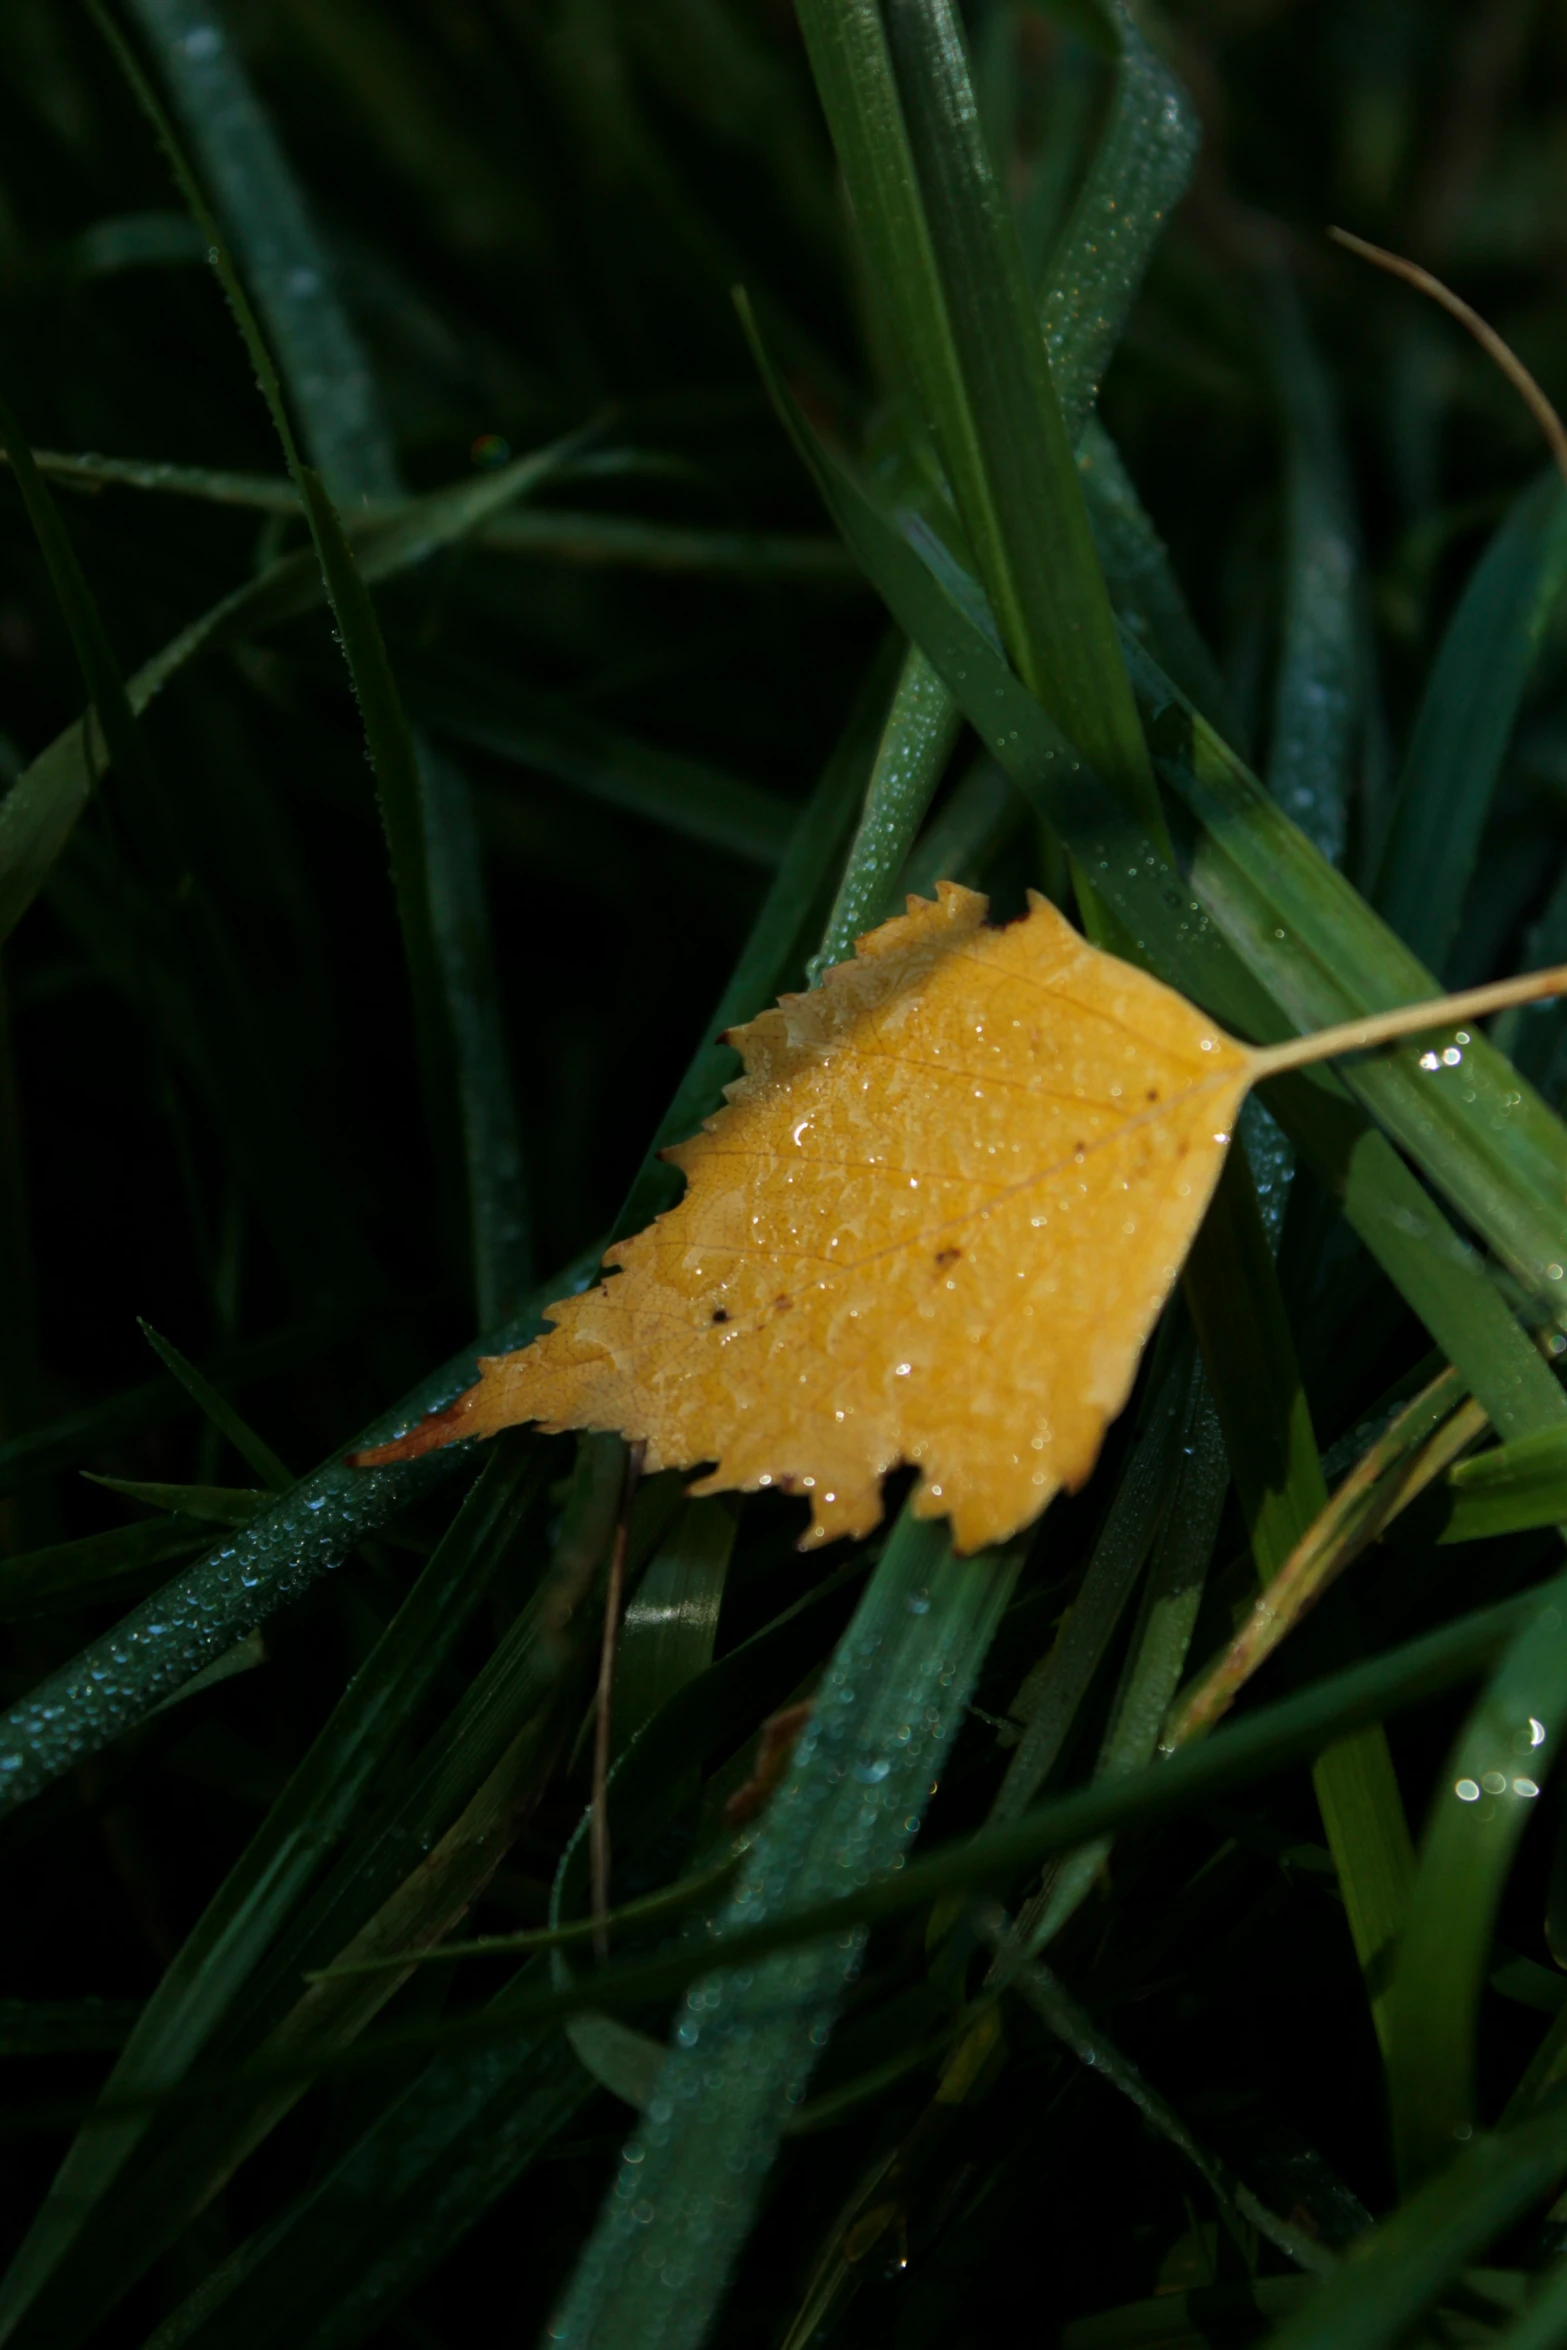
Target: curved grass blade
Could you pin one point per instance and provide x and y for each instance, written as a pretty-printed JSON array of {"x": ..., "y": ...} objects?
[
  {"x": 1487, "y": 1140},
  {"x": 555, "y": 533},
  {"x": 500, "y": 1234},
  {"x": 1466, "y": 719},
  {"x": 221, "y": 1505},
  {"x": 981, "y": 815},
  {"x": 1242, "y": 1327},
  {"x": 671, "y": 1619},
  {"x": 63, "y": 1443}
]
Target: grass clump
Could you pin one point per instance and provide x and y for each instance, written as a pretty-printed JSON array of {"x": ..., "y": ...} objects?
[{"x": 1058, "y": 509}]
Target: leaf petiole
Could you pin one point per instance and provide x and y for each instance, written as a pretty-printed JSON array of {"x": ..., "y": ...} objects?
[{"x": 1353, "y": 1036}]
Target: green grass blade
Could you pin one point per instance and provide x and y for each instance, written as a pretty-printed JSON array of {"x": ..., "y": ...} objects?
[
  {"x": 341, "y": 2258},
  {"x": 1399, "y": 2271},
  {"x": 979, "y": 818},
  {"x": 117, "y": 1679},
  {"x": 1316, "y": 692},
  {"x": 1245, "y": 1337},
  {"x": 1048, "y": 1701},
  {"x": 778, "y": 945},
  {"x": 318, "y": 350},
  {"x": 1465, "y": 722},
  {"x": 244, "y": 1916},
  {"x": 499, "y": 1227},
  {"x": 393, "y": 754},
  {"x": 672, "y": 1619},
  {"x": 1487, "y": 1140},
  {"x": 1386, "y": 1204},
  {"x": 889, "y": 1704},
  {"x": 702, "y": 802},
  {"x": 221, "y": 1505},
  {"x": 1243, "y": 1751},
  {"x": 1510, "y": 1490},
  {"x": 919, "y": 738},
  {"x": 220, "y": 1412},
  {"x": 38, "y": 813},
  {"x": 1092, "y": 2046},
  {"x": 120, "y": 738},
  {"x": 1157, "y": 1654},
  {"x": 1006, "y": 445},
  {"x": 1484, "y": 1799},
  {"x": 94, "y": 1568},
  {"x": 1139, "y": 173},
  {"x": 1143, "y": 587}
]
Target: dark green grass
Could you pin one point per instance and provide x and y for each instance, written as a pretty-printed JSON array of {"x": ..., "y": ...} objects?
[{"x": 500, "y": 652}]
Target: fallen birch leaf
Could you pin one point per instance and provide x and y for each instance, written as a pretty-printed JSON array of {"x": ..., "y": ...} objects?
[{"x": 934, "y": 1226}]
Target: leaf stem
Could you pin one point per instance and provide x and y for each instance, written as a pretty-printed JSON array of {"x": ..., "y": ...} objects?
[
  {"x": 1353, "y": 1036},
  {"x": 1540, "y": 406}
]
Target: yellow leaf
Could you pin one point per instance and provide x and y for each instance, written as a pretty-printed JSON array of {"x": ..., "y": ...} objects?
[{"x": 934, "y": 1227}]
